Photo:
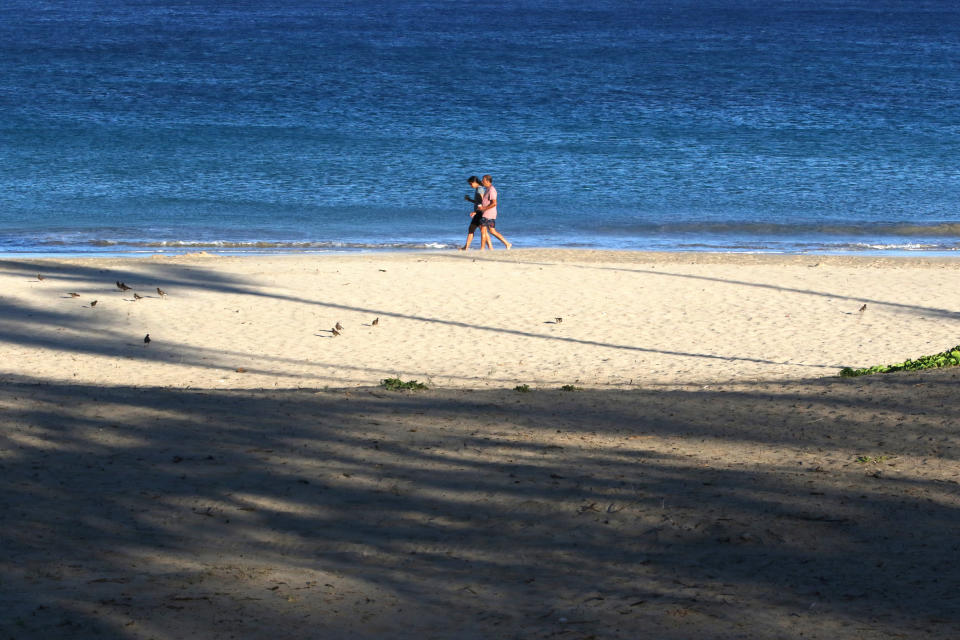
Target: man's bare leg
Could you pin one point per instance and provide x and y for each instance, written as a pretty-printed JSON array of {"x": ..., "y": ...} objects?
[
  {"x": 496, "y": 234},
  {"x": 466, "y": 246}
]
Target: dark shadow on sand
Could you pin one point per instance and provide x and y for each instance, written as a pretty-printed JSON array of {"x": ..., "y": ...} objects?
[{"x": 130, "y": 511}]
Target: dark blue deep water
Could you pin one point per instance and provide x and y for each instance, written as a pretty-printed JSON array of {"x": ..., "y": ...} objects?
[{"x": 132, "y": 126}]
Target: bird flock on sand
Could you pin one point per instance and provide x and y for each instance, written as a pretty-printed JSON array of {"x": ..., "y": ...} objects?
[
  {"x": 122, "y": 286},
  {"x": 338, "y": 328}
]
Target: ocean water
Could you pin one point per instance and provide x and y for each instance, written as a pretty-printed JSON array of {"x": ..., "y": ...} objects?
[{"x": 141, "y": 126}]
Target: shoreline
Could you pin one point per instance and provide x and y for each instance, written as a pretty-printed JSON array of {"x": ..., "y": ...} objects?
[
  {"x": 254, "y": 253},
  {"x": 587, "y": 254}
]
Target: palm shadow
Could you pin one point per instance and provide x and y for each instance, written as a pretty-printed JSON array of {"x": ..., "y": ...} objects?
[{"x": 368, "y": 512}]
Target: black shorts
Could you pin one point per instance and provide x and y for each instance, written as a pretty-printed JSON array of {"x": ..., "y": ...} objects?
[
  {"x": 475, "y": 221},
  {"x": 490, "y": 223}
]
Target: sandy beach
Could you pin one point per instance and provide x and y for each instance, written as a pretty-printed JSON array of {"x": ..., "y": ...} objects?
[
  {"x": 470, "y": 320},
  {"x": 706, "y": 475}
]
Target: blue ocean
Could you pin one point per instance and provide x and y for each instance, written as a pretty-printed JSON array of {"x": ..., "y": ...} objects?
[{"x": 145, "y": 126}]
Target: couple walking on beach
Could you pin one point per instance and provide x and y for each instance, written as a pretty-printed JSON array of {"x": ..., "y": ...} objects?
[{"x": 484, "y": 213}]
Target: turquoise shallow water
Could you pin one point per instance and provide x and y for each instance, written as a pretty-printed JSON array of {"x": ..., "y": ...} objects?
[{"x": 723, "y": 125}]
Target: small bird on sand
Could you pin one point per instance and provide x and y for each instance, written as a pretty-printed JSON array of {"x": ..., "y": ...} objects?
[
  {"x": 375, "y": 322},
  {"x": 39, "y": 277},
  {"x": 162, "y": 293},
  {"x": 123, "y": 286},
  {"x": 73, "y": 295},
  {"x": 137, "y": 296},
  {"x": 558, "y": 320},
  {"x": 93, "y": 304},
  {"x": 146, "y": 339},
  {"x": 338, "y": 327},
  {"x": 334, "y": 331},
  {"x": 863, "y": 308}
]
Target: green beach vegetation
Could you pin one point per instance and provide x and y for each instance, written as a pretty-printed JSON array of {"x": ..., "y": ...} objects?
[
  {"x": 948, "y": 358},
  {"x": 396, "y": 384}
]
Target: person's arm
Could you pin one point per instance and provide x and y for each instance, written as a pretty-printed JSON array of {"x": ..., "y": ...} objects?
[{"x": 492, "y": 204}]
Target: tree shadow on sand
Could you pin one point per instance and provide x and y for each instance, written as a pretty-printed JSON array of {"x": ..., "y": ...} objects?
[{"x": 746, "y": 511}]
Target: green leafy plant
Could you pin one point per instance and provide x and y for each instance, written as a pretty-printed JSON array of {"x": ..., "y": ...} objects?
[
  {"x": 570, "y": 387},
  {"x": 872, "y": 459},
  {"x": 948, "y": 358},
  {"x": 396, "y": 384},
  {"x": 522, "y": 388}
]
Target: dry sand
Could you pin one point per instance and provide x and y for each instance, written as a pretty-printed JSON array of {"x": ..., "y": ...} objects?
[
  {"x": 471, "y": 320},
  {"x": 244, "y": 476}
]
